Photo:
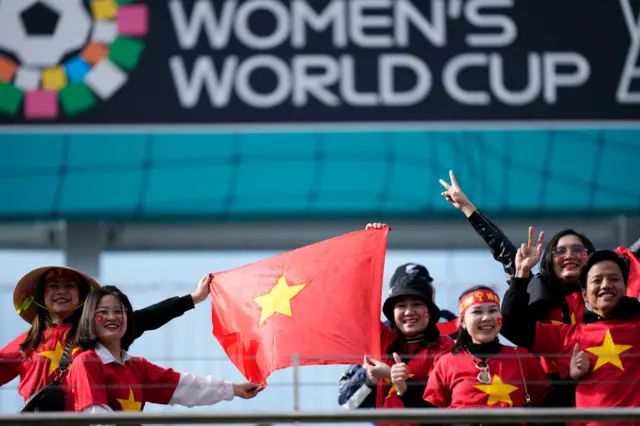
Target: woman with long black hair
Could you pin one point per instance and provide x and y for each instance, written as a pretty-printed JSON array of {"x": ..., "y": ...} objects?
[
  {"x": 554, "y": 292},
  {"x": 50, "y": 299}
]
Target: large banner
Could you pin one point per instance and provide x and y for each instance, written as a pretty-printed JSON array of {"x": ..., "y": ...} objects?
[{"x": 318, "y": 61}]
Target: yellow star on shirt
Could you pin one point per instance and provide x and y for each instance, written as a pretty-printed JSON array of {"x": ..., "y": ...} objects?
[
  {"x": 572, "y": 318},
  {"x": 130, "y": 404},
  {"x": 55, "y": 356},
  {"x": 278, "y": 300},
  {"x": 498, "y": 391},
  {"x": 394, "y": 389},
  {"x": 609, "y": 352}
]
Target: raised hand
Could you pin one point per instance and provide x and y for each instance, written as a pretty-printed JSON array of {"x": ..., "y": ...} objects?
[
  {"x": 399, "y": 374},
  {"x": 376, "y": 369},
  {"x": 247, "y": 390},
  {"x": 580, "y": 364},
  {"x": 529, "y": 255},
  {"x": 456, "y": 196}
]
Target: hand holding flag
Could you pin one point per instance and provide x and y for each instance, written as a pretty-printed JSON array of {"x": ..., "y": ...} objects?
[
  {"x": 376, "y": 369},
  {"x": 247, "y": 390}
]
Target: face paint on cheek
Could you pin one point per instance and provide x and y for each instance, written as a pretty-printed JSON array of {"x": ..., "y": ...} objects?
[
  {"x": 99, "y": 318},
  {"x": 499, "y": 321},
  {"x": 426, "y": 315}
]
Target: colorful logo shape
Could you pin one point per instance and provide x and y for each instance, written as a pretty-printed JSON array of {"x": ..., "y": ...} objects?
[{"x": 64, "y": 56}]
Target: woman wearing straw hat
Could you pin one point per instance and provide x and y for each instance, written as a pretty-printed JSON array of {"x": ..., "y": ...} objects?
[{"x": 50, "y": 298}]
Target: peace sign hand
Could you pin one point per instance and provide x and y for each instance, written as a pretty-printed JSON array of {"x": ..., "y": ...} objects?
[
  {"x": 456, "y": 196},
  {"x": 529, "y": 255}
]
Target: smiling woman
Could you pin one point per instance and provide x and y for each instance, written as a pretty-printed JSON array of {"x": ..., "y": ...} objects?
[
  {"x": 600, "y": 351},
  {"x": 106, "y": 378},
  {"x": 50, "y": 298}
]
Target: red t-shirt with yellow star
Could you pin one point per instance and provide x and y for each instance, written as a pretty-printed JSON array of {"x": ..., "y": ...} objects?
[
  {"x": 40, "y": 367},
  {"x": 122, "y": 387},
  {"x": 419, "y": 366},
  {"x": 453, "y": 382},
  {"x": 576, "y": 307},
  {"x": 613, "y": 380}
]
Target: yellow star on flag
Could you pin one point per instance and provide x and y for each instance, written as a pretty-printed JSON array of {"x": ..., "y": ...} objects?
[
  {"x": 394, "y": 389},
  {"x": 278, "y": 300},
  {"x": 572, "y": 317},
  {"x": 498, "y": 391},
  {"x": 130, "y": 404},
  {"x": 609, "y": 352},
  {"x": 55, "y": 356}
]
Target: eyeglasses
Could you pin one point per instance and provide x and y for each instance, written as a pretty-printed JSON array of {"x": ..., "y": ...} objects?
[
  {"x": 102, "y": 314},
  {"x": 576, "y": 249}
]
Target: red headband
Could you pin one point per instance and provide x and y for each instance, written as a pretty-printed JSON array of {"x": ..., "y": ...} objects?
[{"x": 477, "y": 298}]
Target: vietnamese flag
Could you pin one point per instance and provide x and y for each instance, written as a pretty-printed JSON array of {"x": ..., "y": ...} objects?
[
  {"x": 321, "y": 302},
  {"x": 633, "y": 287}
]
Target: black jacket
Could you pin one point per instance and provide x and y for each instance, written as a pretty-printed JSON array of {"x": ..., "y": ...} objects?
[
  {"x": 543, "y": 296},
  {"x": 155, "y": 316},
  {"x": 502, "y": 249}
]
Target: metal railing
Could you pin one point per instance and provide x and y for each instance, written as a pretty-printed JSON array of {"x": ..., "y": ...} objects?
[{"x": 423, "y": 416}]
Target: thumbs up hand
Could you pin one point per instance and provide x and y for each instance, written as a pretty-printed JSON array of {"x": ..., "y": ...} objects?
[
  {"x": 399, "y": 374},
  {"x": 580, "y": 364}
]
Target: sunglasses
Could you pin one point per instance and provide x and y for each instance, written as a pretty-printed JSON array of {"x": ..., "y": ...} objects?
[{"x": 484, "y": 375}]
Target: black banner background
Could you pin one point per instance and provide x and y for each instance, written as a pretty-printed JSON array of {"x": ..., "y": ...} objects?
[{"x": 595, "y": 29}]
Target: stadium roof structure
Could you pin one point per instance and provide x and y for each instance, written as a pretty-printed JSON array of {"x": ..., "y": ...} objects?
[{"x": 271, "y": 189}]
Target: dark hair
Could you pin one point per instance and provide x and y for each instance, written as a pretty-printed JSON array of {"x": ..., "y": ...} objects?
[
  {"x": 464, "y": 338},
  {"x": 87, "y": 338},
  {"x": 546, "y": 266},
  {"x": 601, "y": 256},
  {"x": 42, "y": 320}
]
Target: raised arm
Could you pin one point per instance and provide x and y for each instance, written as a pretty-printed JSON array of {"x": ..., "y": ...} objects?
[
  {"x": 155, "y": 316},
  {"x": 519, "y": 323},
  {"x": 502, "y": 249}
]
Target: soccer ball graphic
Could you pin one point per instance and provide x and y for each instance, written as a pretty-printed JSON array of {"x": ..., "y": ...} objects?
[
  {"x": 64, "y": 57},
  {"x": 40, "y": 33}
]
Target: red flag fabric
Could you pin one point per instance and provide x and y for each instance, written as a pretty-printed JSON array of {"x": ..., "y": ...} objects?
[
  {"x": 321, "y": 302},
  {"x": 633, "y": 287},
  {"x": 448, "y": 327}
]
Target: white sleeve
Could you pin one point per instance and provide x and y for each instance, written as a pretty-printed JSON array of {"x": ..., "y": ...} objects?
[
  {"x": 98, "y": 409},
  {"x": 194, "y": 391}
]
